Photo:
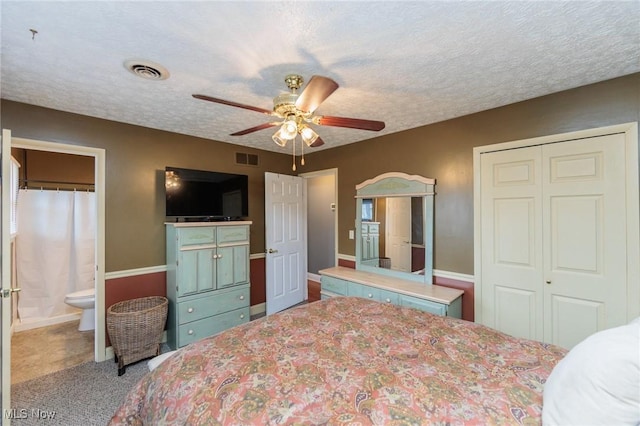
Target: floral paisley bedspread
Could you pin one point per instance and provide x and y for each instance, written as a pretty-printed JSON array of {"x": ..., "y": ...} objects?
[{"x": 350, "y": 361}]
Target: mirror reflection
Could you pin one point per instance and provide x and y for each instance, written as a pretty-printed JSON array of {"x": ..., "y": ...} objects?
[{"x": 392, "y": 233}]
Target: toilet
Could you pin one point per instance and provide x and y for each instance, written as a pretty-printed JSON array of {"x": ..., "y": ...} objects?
[{"x": 85, "y": 300}]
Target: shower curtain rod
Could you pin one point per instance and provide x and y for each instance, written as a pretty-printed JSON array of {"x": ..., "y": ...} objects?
[{"x": 23, "y": 183}]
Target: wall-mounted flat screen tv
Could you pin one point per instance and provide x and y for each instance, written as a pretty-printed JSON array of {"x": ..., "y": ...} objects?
[{"x": 205, "y": 195}]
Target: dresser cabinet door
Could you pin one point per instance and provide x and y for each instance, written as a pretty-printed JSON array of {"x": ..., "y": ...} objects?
[
  {"x": 196, "y": 271},
  {"x": 232, "y": 265}
]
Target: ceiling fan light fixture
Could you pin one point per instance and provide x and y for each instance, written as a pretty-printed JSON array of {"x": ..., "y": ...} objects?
[
  {"x": 289, "y": 129},
  {"x": 279, "y": 138},
  {"x": 308, "y": 135}
]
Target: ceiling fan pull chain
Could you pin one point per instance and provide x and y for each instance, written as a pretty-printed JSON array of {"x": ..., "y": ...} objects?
[
  {"x": 294, "y": 155},
  {"x": 302, "y": 150}
]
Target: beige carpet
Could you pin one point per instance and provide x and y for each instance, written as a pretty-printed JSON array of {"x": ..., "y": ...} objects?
[{"x": 85, "y": 395}]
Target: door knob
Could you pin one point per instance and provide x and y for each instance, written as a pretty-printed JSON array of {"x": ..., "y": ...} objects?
[
  {"x": 548, "y": 281},
  {"x": 8, "y": 291},
  {"x": 273, "y": 251}
]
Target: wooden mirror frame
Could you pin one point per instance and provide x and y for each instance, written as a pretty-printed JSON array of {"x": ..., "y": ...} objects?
[{"x": 398, "y": 184}]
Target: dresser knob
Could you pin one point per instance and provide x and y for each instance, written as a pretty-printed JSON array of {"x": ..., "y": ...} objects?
[
  {"x": 241, "y": 297},
  {"x": 190, "y": 332},
  {"x": 370, "y": 295},
  {"x": 388, "y": 300},
  {"x": 241, "y": 316},
  {"x": 190, "y": 310}
]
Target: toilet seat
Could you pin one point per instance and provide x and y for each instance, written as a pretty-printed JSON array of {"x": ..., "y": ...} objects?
[{"x": 82, "y": 294}]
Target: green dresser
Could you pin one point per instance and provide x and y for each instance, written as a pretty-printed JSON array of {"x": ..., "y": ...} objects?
[
  {"x": 207, "y": 279},
  {"x": 438, "y": 300}
]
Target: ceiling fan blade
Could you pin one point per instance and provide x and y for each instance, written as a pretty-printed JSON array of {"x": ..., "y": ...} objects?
[
  {"x": 317, "y": 143},
  {"x": 317, "y": 90},
  {"x": 256, "y": 128},
  {"x": 352, "y": 123},
  {"x": 234, "y": 104}
]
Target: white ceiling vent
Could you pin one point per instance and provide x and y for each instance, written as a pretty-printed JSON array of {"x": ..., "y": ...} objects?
[{"x": 147, "y": 69}]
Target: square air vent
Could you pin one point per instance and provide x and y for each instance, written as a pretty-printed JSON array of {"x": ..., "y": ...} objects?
[{"x": 246, "y": 159}]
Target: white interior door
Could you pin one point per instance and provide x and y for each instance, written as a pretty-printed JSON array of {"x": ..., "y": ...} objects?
[
  {"x": 285, "y": 239},
  {"x": 5, "y": 265},
  {"x": 398, "y": 225},
  {"x": 554, "y": 239}
]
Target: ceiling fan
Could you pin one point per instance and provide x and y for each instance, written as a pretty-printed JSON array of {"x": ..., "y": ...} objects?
[{"x": 296, "y": 111}]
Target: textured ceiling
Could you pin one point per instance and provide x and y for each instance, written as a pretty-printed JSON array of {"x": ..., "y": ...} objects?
[{"x": 406, "y": 63}]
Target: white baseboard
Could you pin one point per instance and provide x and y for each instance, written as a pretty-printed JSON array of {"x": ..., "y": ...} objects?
[
  {"x": 260, "y": 308},
  {"x": 29, "y": 324}
]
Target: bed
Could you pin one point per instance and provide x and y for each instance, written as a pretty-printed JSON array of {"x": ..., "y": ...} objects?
[{"x": 347, "y": 360}]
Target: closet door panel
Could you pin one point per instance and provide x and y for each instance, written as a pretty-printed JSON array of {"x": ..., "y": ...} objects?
[
  {"x": 516, "y": 311},
  {"x": 573, "y": 319},
  {"x": 511, "y": 242},
  {"x": 585, "y": 228}
]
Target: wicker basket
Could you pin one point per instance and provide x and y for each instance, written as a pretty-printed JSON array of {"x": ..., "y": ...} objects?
[{"x": 135, "y": 329}]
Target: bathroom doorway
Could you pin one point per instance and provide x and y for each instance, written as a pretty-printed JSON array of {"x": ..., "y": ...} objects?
[
  {"x": 55, "y": 249},
  {"x": 64, "y": 332}
]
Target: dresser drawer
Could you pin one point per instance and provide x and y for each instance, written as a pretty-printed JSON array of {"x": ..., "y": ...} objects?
[
  {"x": 212, "y": 304},
  {"x": 372, "y": 228},
  {"x": 334, "y": 285},
  {"x": 424, "y": 305},
  {"x": 196, "y": 236},
  {"x": 373, "y": 293},
  {"x": 233, "y": 234},
  {"x": 196, "y": 330},
  {"x": 388, "y": 296}
]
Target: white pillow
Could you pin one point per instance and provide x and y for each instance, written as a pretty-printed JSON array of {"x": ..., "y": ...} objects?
[
  {"x": 598, "y": 382},
  {"x": 156, "y": 361}
]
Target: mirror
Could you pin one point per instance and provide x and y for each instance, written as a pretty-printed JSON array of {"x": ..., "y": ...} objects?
[
  {"x": 395, "y": 226},
  {"x": 393, "y": 234}
]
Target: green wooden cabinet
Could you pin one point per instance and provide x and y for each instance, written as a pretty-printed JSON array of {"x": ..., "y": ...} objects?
[{"x": 207, "y": 279}]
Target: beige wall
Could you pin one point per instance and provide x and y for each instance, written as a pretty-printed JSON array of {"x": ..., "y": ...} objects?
[
  {"x": 444, "y": 151},
  {"x": 135, "y": 162},
  {"x": 137, "y": 156}
]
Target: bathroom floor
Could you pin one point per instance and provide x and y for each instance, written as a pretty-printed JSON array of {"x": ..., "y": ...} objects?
[{"x": 45, "y": 350}]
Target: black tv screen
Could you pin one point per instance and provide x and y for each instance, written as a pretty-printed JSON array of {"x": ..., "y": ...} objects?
[{"x": 205, "y": 195}]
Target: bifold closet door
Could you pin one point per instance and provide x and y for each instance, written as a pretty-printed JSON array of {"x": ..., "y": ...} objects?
[
  {"x": 512, "y": 269},
  {"x": 585, "y": 252},
  {"x": 554, "y": 239}
]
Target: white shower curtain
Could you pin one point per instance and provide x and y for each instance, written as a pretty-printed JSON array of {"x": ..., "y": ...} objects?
[{"x": 55, "y": 249}]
